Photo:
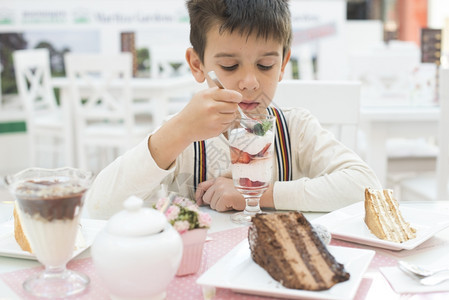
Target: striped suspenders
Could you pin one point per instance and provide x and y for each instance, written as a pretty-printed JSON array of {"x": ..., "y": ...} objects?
[
  {"x": 199, "y": 173},
  {"x": 281, "y": 144}
]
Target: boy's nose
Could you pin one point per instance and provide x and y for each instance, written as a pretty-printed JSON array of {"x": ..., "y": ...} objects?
[{"x": 249, "y": 82}]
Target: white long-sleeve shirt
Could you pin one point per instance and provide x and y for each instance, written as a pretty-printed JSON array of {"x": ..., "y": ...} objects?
[{"x": 326, "y": 174}]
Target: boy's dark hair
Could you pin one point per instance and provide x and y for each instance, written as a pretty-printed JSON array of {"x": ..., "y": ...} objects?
[{"x": 265, "y": 18}]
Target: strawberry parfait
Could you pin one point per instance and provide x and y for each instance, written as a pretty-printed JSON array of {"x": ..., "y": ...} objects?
[{"x": 251, "y": 156}]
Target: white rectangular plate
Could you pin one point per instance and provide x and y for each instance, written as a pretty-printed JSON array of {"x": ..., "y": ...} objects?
[
  {"x": 348, "y": 224},
  {"x": 10, "y": 248},
  {"x": 238, "y": 272}
]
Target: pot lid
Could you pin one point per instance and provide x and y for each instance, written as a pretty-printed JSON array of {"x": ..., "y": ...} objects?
[{"x": 136, "y": 220}]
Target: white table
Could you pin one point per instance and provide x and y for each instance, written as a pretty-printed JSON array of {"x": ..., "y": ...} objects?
[
  {"x": 382, "y": 123},
  {"x": 379, "y": 288}
]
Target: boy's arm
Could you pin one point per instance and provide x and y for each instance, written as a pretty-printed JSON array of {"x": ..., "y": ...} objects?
[
  {"x": 208, "y": 114},
  {"x": 330, "y": 175},
  {"x": 167, "y": 143},
  {"x": 133, "y": 173},
  {"x": 141, "y": 169}
]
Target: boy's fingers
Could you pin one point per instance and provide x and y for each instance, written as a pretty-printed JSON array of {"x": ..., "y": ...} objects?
[
  {"x": 201, "y": 189},
  {"x": 228, "y": 96}
]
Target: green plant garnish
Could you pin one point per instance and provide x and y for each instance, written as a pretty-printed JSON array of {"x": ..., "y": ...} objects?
[{"x": 262, "y": 128}]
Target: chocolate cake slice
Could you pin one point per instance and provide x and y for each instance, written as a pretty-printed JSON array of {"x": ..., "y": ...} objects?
[{"x": 287, "y": 247}]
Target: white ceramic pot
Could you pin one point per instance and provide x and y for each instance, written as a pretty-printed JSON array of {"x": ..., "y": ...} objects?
[{"x": 138, "y": 253}]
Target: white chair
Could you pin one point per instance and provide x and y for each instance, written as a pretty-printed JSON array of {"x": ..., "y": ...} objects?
[
  {"x": 48, "y": 127},
  {"x": 336, "y": 104},
  {"x": 434, "y": 186},
  {"x": 104, "y": 118}
]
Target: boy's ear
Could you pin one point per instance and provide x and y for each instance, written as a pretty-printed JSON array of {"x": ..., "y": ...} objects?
[
  {"x": 195, "y": 65},
  {"x": 284, "y": 63}
]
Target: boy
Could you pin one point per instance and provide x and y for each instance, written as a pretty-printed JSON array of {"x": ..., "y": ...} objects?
[{"x": 247, "y": 44}]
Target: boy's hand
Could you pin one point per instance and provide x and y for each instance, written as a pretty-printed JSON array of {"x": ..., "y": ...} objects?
[
  {"x": 209, "y": 113},
  {"x": 220, "y": 194}
]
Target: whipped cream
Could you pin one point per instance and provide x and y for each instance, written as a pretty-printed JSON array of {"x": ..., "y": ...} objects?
[
  {"x": 256, "y": 170},
  {"x": 251, "y": 143},
  {"x": 52, "y": 242}
]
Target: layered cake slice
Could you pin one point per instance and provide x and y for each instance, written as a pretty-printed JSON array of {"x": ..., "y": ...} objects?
[
  {"x": 287, "y": 247},
  {"x": 19, "y": 235},
  {"x": 383, "y": 217}
]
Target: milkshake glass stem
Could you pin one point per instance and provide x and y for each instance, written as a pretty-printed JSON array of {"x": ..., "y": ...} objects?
[
  {"x": 56, "y": 282},
  {"x": 252, "y": 207}
]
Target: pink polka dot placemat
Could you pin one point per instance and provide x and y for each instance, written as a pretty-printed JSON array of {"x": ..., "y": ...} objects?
[
  {"x": 95, "y": 291},
  {"x": 184, "y": 287}
]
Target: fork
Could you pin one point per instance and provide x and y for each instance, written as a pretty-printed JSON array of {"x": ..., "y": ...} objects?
[{"x": 425, "y": 276}]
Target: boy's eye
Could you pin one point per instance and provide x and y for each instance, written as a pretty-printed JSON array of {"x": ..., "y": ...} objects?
[
  {"x": 264, "y": 68},
  {"x": 229, "y": 68}
]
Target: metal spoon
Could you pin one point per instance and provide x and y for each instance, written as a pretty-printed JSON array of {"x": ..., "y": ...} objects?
[
  {"x": 215, "y": 79},
  {"x": 425, "y": 276}
]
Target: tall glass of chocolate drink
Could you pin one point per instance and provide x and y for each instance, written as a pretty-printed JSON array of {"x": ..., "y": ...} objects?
[{"x": 49, "y": 204}]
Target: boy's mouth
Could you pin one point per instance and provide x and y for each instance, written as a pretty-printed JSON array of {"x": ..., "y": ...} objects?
[{"x": 248, "y": 106}]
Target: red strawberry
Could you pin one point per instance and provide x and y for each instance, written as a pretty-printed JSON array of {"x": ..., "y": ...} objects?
[
  {"x": 262, "y": 152},
  {"x": 246, "y": 182},
  {"x": 257, "y": 183},
  {"x": 239, "y": 156},
  {"x": 244, "y": 158},
  {"x": 235, "y": 154}
]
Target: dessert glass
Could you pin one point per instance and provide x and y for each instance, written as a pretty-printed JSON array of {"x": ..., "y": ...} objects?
[
  {"x": 251, "y": 150},
  {"x": 49, "y": 203}
]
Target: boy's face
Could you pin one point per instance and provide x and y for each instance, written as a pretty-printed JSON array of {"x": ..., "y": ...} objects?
[{"x": 252, "y": 66}]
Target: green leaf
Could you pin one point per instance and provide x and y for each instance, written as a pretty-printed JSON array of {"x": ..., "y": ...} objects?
[{"x": 262, "y": 128}]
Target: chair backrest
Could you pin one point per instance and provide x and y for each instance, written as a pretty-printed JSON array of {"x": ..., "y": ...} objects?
[
  {"x": 443, "y": 136},
  {"x": 100, "y": 86},
  {"x": 336, "y": 104},
  {"x": 33, "y": 79},
  {"x": 107, "y": 80}
]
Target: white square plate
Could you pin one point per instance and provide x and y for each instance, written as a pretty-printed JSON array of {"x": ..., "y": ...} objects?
[
  {"x": 238, "y": 272},
  {"x": 348, "y": 224},
  {"x": 10, "y": 248}
]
